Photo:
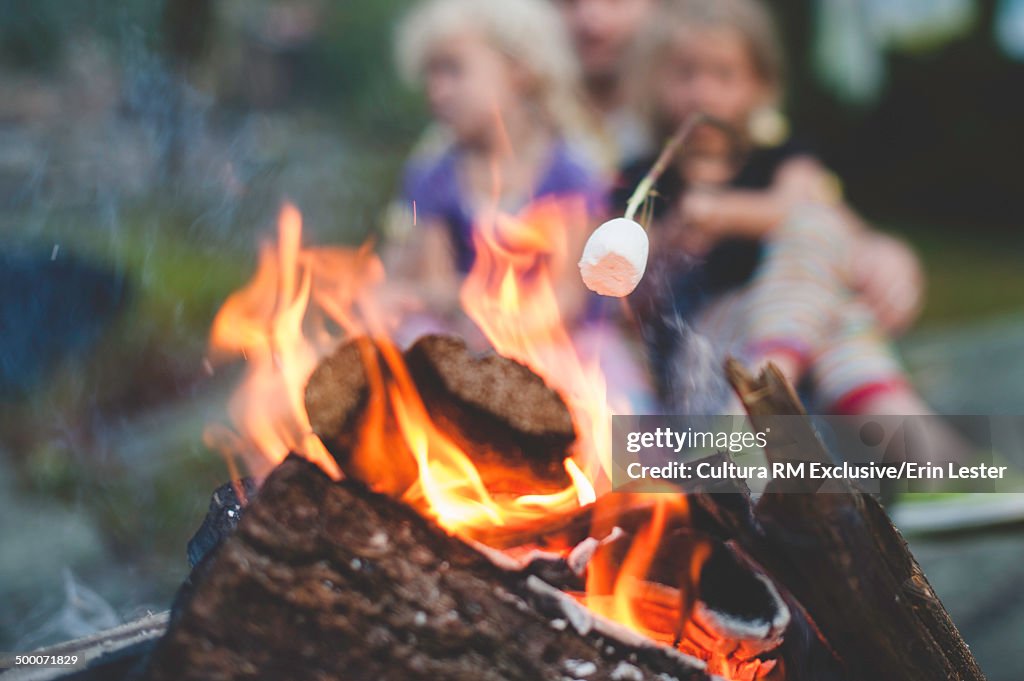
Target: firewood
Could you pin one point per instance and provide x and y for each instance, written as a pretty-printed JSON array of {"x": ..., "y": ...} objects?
[
  {"x": 225, "y": 511},
  {"x": 839, "y": 554},
  {"x": 515, "y": 429},
  {"x": 496, "y": 408},
  {"x": 336, "y": 393},
  {"x": 339, "y": 399},
  {"x": 330, "y": 580}
]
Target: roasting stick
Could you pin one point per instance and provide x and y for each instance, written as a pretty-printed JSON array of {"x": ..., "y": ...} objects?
[{"x": 615, "y": 257}]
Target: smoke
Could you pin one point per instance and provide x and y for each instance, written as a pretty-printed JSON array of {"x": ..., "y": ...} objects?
[
  {"x": 696, "y": 379},
  {"x": 82, "y": 613},
  {"x": 687, "y": 366}
]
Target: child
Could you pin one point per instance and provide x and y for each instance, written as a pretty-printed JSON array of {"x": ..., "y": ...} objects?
[
  {"x": 760, "y": 255},
  {"x": 501, "y": 81}
]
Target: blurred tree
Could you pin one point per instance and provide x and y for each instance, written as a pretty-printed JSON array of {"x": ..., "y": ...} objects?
[
  {"x": 187, "y": 28},
  {"x": 354, "y": 53}
]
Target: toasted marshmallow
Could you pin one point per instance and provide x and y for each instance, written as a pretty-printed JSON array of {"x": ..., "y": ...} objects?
[{"x": 615, "y": 258}]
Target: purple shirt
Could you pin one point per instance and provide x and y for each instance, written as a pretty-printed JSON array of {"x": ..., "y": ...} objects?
[{"x": 433, "y": 185}]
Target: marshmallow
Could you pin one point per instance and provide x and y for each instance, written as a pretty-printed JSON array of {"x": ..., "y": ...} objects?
[{"x": 615, "y": 258}]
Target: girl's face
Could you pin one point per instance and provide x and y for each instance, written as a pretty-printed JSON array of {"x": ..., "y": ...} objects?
[
  {"x": 469, "y": 85},
  {"x": 711, "y": 71}
]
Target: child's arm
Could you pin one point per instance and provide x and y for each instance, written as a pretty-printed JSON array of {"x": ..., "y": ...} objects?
[
  {"x": 755, "y": 213},
  {"x": 884, "y": 270},
  {"x": 437, "y": 270}
]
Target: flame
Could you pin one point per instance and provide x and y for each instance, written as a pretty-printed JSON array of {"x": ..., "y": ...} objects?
[
  {"x": 449, "y": 483},
  {"x": 264, "y": 323},
  {"x": 616, "y": 586},
  {"x": 298, "y": 306}
]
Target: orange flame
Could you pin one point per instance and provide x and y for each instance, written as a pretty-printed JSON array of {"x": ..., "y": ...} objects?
[
  {"x": 298, "y": 306},
  {"x": 264, "y": 323},
  {"x": 615, "y": 586},
  {"x": 448, "y": 481}
]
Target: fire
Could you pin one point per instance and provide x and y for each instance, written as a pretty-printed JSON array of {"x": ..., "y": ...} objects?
[
  {"x": 264, "y": 323},
  {"x": 302, "y": 302},
  {"x": 619, "y": 585},
  {"x": 614, "y": 587},
  {"x": 450, "y": 485},
  {"x": 299, "y": 305}
]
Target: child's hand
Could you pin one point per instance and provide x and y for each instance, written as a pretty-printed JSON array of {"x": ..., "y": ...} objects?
[
  {"x": 888, "y": 275},
  {"x": 677, "y": 240},
  {"x": 699, "y": 208},
  {"x": 696, "y": 227}
]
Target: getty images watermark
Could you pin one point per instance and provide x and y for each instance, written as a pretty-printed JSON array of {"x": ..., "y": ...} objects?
[{"x": 782, "y": 453}]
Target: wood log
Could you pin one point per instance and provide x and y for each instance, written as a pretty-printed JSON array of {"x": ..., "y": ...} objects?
[
  {"x": 107, "y": 655},
  {"x": 330, "y": 580},
  {"x": 841, "y": 557},
  {"x": 516, "y": 430},
  {"x": 340, "y": 400},
  {"x": 496, "y": 408}
]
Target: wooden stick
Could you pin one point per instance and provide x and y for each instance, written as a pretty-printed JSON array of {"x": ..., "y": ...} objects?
[{"x": 668, "y": 152}]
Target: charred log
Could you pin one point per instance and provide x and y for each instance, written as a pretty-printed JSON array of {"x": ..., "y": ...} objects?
[
  {"x": 515, "y": 428},
  {"x": 841, "y": 557},
  {"x": 343, "y": 406},
  {"x": 326, "y": 579},
  {"x": 496, "y": 408},
  {"x": 226, "y": 505}
]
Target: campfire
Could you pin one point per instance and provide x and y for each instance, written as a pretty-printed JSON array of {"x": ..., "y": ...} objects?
[{"x": 442, "y": 512}]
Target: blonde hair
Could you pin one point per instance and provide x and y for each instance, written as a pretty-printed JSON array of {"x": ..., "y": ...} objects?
[
  {"x": 528, "y": 32},
  {"x": 750, "y": 18}
]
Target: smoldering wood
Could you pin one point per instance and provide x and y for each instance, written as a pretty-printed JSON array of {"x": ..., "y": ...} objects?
[
  {"x": 840, "y": 556},
  {"x": 337, "y": 392},
  {"x": 496, "y": 408},
  {"x": 328, "y": 580},
  {"x": 515, "y": 428},
  {"x": 721, "y": 608},
  {"x": 342, "y": 405}
]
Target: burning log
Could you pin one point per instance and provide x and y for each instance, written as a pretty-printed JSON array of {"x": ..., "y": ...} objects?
[
  {"x": 339, "y": 401},
  {"x": 516, "y": 429},
  {"x": 848, "y": 566},
  {"x": 494, "y": 407},
  {"x": 328, "y": 580}
]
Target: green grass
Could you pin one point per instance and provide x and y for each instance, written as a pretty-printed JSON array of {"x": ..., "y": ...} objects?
[{"x": 970, "y": 277}]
